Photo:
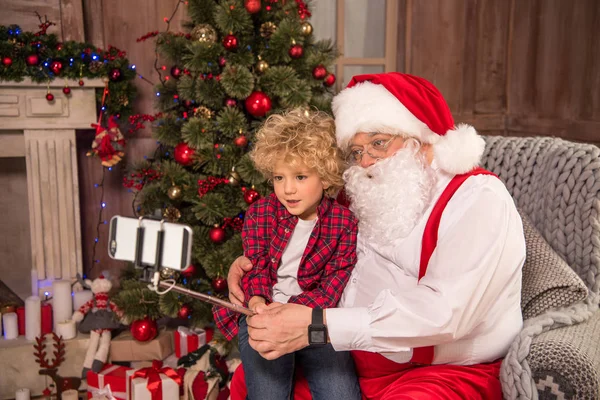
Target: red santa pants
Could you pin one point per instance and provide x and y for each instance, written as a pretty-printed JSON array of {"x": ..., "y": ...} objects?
[{"x": 383, "y": 379}]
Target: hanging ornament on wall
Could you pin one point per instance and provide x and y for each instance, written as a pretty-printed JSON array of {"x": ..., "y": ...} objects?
[
  {"x": 262, "y": 66},
  {"x": 144, "y": 330},
  {"x": 216, "y": 234},
  {"x": 296, "y": 51},
  {"x": 7, "y": 61},
  {"x": 115, "y": 74},
  {"x": 32, "y": 59},
  {"x": 329, "y": 80},
  {"x": 184, "y": 312},
  {"x": 250, "y": 196},
  {"x": 49, "y": 97},
  {"x": 267, "y": 29},
  {"x": 252, "y": 6},
  {"x": 319, "y": 72},
  {"x": 172, "y": 214},
  {"x": 234, "y": 178},
  {"x": 174, "y": 192},
  {"x": 219, "y": 284},
  {"x": 66, "y": 90},
  {"x": 306, "y": 28},
  {"x": 176, "y": 72},
  {"x": 204, "y": 33},
  {"x": 230, "y": 42},
  {"x": 258, "y": 104},
  {"x": 184, "y": 154},
  {"x": 56, "y": 67}
]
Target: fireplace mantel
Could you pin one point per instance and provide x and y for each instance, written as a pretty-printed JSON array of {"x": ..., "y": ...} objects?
[{"x": 44, "y": 133}]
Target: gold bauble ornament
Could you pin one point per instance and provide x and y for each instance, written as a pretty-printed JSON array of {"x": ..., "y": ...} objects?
[
  {"x": 174, "y": 192},
  {"x": 262, "y": 66},
  {"x": 267, "y": 29},
  {"x": 168, "y": 273},
  {"x": 172, "y": 214},
  {"x": 203, "y": 112},
  {"x": 204, "y": 33},
  {"x": 306, "y": 28},
  {"x": 234, "y": 178}
]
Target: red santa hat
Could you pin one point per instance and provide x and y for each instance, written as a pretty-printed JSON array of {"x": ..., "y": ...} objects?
[{"x": 407, "y": 105}]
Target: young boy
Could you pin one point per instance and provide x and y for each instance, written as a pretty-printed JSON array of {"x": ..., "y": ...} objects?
[{"x": 302, "y": 246}]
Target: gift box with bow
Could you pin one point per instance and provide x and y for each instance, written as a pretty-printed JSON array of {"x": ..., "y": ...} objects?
[
  {"x": 188, "y": 340},
  {"x": 153, "y": 383},
  {"x": 111, "y": 379}
]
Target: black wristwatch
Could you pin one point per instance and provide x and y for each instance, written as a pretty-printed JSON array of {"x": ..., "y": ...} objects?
[{"x": 317, "y": 331}]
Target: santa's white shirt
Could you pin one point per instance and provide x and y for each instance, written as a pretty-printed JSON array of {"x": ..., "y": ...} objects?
[{"x": 468, "y": 304}]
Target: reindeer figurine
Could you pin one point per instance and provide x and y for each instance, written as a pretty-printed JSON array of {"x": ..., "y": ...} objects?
[{"x": 51, "y": 369}]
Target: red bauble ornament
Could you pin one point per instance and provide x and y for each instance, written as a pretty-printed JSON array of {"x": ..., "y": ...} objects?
[
  {"x": 219, "y": 284},
  {"x": 56, "y": 67},
  {"x": 222, "y": 61},
  {"x": 183, "y": 154},
  {"x": 251, "y": 195},
  {"x": 50, "y": 97},
  {"x": 176, "y": 72},
  {"x": 189, "y": 272},
  {"x": 7, "y": 61},
  {"x": 184, "y": 312},
  {"x": 241, "y": 141},
  {"x": 296, "y": 51},
  {"x": 230, "y": 102},
  {"x": 115, "y": 74},
  {"x": 32, "y": 59},
  {"x": 67, "y": 90},
  {"x": 144, "y": 330},
  {"x": 230, "y": 42},
  {"x": 216, "y": 234},
  {"x": 319, "y": 72},
  {"x": 252, "y": 6},
  {"x": 329, "y": 80},
  {"x": 258, "y": 104},
  {"x": 81, "y": 83}
]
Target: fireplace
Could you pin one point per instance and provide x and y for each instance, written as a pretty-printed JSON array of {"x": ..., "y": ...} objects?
[{"x": 43, "y": 134}]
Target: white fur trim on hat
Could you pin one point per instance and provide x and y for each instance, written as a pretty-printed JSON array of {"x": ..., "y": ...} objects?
[
  {"x": 368, "y": 107},
  {"x": 459, "y": 150}
]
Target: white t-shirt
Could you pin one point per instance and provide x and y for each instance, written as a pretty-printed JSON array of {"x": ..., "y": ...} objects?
[{"x": 287, "y": 273}]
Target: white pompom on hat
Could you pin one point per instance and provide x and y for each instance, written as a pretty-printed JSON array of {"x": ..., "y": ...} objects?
[{"x": 403, "y": 104}]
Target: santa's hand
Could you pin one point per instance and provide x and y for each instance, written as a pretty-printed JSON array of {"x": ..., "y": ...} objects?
[
  {"x": 77, "y": 316},
  {"x": 280, "y": 330},
  {"x": 240, "y": 266}
]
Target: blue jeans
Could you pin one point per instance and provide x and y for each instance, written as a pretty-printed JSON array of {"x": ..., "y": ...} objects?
[{"x": 330, "y": 374}]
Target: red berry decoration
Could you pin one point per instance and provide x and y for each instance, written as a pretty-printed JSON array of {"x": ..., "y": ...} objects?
[
  {"x": 59, "y": 46},
  {"x": 184, "y": 312},
  {"x": 230, "y": 42},
  {"x": 183, "y": 154},
  {"x": 329, "y": 80},
  {"x": 50, "y": 97},
  {"x": 115, "y": 74},
  {"x": 241, "y": 141},
  {"x": 251, "y": 195},
  {"x": 230, "y": 102},
  {"x": 189, "y": 272},
  {"x": 56, "y": 67},
  {"x": 81, "y": 83},
  {"x": 219, "y": 284},
  {"x": 319, "y": 72},
  {"x": 216, "y": 234},
  {"x": 32, "y": 59},
  {"x": 252, "y": 6},
  {"x": 258, "y": 104},
  {"x": 7, "y": 61},
  {"x": 176, "y": 72},
  {"x": 222, "y": 61},
  {"x": 144, "y": 330},
  {"x": 67, "y": 90},
  {"x": 296, "y": 51}
]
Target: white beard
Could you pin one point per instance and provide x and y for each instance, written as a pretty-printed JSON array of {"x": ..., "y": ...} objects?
[{"x": 390, "y": 197}]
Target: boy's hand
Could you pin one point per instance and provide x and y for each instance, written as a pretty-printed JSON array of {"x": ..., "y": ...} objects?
[
  {"x": 240, "y": 266},
  {"x": 266, "y": 307},
  {"x": 255, "y": 302}
]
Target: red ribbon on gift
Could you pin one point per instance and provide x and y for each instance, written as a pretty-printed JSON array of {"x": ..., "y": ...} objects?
[{"x": 152, "y": 374}]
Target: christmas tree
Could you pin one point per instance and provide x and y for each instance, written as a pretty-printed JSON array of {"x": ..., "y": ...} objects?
[{"x": 240, "y": 62}]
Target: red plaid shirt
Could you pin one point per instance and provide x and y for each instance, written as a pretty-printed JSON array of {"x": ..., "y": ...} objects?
[{"x": 325, "y": 267}]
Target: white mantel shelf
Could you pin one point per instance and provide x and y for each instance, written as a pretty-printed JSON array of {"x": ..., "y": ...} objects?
[{"x": 44, "y": 133}]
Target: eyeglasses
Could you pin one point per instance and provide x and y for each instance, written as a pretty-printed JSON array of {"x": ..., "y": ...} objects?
[{"x": 377, "y": 149}]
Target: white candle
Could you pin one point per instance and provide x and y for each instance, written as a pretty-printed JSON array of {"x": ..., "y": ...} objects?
[
  {"x": 66, "y": 329},
  {"x": 34, "y": 282},
  {"x": 33, "y": 317},
  {"x": 62, "y": 302},
  {"x": 69, "y": 395},
  {"x": 81, "y": 297},
  {"x": 11, "y": 329},
  {"x": 22, "y": 394}
]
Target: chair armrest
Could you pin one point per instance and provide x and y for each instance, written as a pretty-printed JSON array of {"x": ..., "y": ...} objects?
[{"x": 567, "y": 360}]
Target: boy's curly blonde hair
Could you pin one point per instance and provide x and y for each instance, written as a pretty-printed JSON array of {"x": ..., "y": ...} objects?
[{"x": 300, "y": 137}]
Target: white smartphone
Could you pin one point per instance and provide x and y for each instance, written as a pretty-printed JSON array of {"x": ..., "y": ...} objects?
[{"x": 124, "y": 241}]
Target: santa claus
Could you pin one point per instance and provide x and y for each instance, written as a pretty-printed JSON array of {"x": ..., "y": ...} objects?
[{"x": 434, "y": 300}]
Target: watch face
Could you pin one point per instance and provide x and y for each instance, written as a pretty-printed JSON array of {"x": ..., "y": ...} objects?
[{"x": 317, "y": 337}]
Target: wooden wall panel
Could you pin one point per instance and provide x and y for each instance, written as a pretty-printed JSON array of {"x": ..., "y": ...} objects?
[{"x": 22, "y": 13}]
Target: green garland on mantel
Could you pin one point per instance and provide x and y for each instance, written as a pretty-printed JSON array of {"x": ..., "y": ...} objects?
[{"x": 43, "y": 58}]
